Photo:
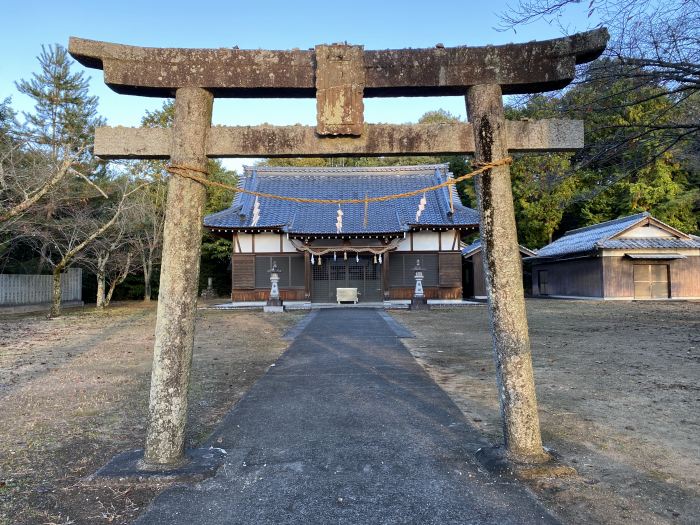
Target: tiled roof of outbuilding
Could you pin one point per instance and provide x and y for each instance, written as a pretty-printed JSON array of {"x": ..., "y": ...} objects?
[
  {"x": 393, "y": 216},
  {"x": 597, "y": 236},
  {"x": 475, "y": 245}
]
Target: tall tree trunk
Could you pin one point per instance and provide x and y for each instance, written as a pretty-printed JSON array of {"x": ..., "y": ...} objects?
[
  {"x": 147, "y": 272},
  {"x": 101, "y": 303},
  {"x": 56, "y": 301},
  {"x": 112, "y": 286},
  {"x": 118, "y": 280},
  {"x": 100, "y": 274}
]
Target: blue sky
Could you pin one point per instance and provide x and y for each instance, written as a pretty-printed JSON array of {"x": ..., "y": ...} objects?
[{"x": 251, "y": 25}]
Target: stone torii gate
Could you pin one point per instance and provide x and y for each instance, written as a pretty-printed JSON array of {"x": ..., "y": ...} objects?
[{"x": 339, "y": 76}]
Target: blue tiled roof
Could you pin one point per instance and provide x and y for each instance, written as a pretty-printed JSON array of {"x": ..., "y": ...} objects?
[
  {"x": 591, "y": 238},
  {"x": 476, "y": 245},
  {"x": 469, "y": 248},
  {"x": 338, "y": 183}
]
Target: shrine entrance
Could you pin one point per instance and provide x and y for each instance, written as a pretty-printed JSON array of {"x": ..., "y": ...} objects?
[
  {"x": 339, "y": 76},
  {"x": 360, "y": 272}
]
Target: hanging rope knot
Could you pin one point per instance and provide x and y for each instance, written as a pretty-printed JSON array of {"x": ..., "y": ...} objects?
[
  {"x": 185, "y": 171},
  {"x": 488, "y": 165}
]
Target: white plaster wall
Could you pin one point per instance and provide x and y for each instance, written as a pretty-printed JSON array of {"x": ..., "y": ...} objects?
[
  {"x": 688, "y": 252},
  {"x": 645, "y": 232},
  {"x": 448, "y": 239},
  {"x": 405, "y": 245},
  {"x": 267, "y": 243},
  {"x": 426, "y": 241},
  {"x": 245, "y": 240},
  {"x": 429, "y": 242},
  {"x": 287, "y": 245}
]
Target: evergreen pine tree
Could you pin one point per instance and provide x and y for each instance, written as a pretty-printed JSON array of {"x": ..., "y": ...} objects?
[{"x": 65, "y": 114}]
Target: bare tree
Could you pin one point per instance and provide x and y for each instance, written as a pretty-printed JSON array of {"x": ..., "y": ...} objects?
[
  {"x": 67, "y": 226},
  {"x": 26, "y": 178},
  {"x": 121, "y": 267},
  {"x": 654, "y": 53},
  {"x": 109, "y": 257},
  {"x": 148, "y": 216}
]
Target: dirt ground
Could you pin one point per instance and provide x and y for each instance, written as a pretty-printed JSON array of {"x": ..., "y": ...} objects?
[
  {"x": 618, "y": 386},
  {"x": 74, "y": 392}
]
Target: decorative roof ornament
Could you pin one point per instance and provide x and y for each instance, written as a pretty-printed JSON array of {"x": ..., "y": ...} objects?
[
  {"x": 256, "y": 212},
  {"x": 421, "y": 207}
]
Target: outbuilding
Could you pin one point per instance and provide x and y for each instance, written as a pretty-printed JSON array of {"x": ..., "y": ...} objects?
[
  {"x": 473, "y": 276},
  {"x": 371, "y": 247},
  {"x": 634, "y": 257}
]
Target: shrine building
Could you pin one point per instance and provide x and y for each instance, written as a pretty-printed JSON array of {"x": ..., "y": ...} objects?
[{"x": 372, "y": 247}]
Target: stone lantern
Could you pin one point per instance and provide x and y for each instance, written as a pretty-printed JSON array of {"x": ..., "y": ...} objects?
[
  {"x": 418, "y": 302},
  {"x": 209, "y": 293},
  {"x": 274, "y": 303}
]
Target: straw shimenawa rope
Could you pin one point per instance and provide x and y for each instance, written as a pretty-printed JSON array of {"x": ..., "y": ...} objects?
[{"x": 187, "y": 172}]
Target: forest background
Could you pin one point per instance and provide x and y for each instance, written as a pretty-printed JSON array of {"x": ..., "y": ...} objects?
[{"x": 60, "y": 206}]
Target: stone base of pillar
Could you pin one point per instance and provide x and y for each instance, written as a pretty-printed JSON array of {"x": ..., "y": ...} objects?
[
  {"x": 273, "y": 309},
  {"x": 547, "y": 465},
  {"x": 419, "y": 303},
  {"x": 274, "y": 305},
  {"x": 128, "y": 468},
  {"x": 208, "y": 293}
]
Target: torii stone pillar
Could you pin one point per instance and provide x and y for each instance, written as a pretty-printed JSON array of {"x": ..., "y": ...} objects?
[
  {"x": 504, "y": 284},
  {"x": 179, "y": 279}
]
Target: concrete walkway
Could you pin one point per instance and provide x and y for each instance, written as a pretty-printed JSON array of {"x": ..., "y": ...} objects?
[{"x": 347, "y": 428}]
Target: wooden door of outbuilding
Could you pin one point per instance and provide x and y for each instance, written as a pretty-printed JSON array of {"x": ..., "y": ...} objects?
[{"x": 651, "y": 281}]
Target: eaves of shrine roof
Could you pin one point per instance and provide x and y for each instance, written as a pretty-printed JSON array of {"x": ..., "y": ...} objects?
[
  {"x": 393, "y": 216},
  {"x": 608, "y": 235}
]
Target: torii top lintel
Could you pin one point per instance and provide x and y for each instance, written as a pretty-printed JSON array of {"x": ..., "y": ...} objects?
[{"x": 518, "y": 68}]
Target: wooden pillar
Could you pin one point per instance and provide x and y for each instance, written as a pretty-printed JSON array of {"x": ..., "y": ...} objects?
[
  {"x": 307, "y": 276},
  {"x": 504, "y": 283},
  {"x": 234, "y": 240},
  {"x": 177, "y": 299},
  {"x": 385, "y": 276}
]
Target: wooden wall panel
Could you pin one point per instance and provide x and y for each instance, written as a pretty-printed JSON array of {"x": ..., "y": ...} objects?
[
  {"x": 479, "y": 275},
  {"x": 685, "y": 277},
  {"x": 450, "y": 269},
  {"x": 431, "y": 292},
  {"x": 242, "y": 271},
  {"x": 618, "y": 277},
  {"x": 262, "y": 294},
  {"x": 575, "y": 278},
  {"x": 613, "y": 277}
]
